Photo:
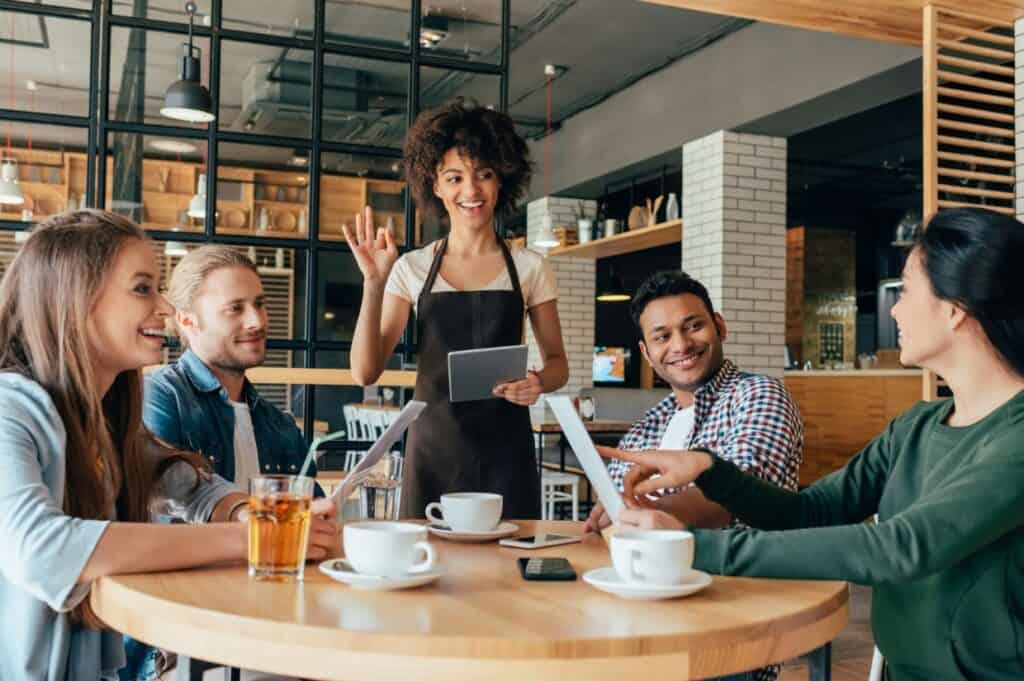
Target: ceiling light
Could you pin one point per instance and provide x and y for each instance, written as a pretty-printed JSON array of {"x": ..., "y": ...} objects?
[
  {"x": 197, "y": 206},
  {"x": 328, "y": 316},
  {"x": 10, "y": 190},
  {"x": 613, "y": 291},
  {"x": 433, "y": 30},
  {"x": 299, "y": 158},
  {"x": 172, "y": 146},
  {"x": 187, "y": 99},
  {"x": 545, "y": 238}
]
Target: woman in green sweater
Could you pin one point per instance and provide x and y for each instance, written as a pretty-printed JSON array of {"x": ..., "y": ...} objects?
[{"x": 946, "y": 558}]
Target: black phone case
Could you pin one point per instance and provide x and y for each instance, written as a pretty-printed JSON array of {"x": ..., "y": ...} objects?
[{"x": 547, "y": 569}]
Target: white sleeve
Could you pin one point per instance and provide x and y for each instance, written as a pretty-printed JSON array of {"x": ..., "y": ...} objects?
[
  {"x": 542, "y": 287},
  {"x": 400, "y": 280}
]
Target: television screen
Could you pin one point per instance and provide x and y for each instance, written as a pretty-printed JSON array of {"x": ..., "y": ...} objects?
[{"x": 610, "y": 364}]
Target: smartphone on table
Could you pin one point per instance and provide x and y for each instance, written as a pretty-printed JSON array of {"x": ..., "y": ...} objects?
[
  {"x": 539, "y": 541},
  {"x": 547, "y": 569}
]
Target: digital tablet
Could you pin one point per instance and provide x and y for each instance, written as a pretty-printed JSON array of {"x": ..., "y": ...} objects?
[
  {"x": 586, "y": 453},
  {"x": 473, "y": 374}
]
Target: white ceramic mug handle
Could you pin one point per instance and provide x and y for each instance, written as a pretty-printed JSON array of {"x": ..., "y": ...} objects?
[
  {"x": 634, "y": 574},
  {"x": 428, "y": 561},
  {"x": 431, "y": 507}
]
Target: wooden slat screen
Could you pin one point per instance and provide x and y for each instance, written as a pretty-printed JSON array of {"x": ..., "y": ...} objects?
[{"x": 969, "y": 142}]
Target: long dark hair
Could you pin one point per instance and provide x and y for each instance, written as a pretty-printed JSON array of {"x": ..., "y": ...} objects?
[
  {"x": 974, "y": 257},
  {"x": 113, "y": 463}
]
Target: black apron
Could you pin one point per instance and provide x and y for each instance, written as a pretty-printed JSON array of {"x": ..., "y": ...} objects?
[{"x": 479, "y": 446}]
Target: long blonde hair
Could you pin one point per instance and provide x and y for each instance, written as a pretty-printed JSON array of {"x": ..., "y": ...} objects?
[{"x": 113, "y": 464}]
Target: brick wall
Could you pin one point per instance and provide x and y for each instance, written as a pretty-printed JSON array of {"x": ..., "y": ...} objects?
[
  {"x": 734, "y": 239},
  {"x": 576, "y": 278}
]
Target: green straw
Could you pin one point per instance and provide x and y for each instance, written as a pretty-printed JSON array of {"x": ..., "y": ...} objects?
[{"x": 337, "y": 435}]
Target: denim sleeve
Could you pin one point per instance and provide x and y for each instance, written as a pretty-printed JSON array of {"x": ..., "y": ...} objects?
[
  {"x": 160, "y": 411},
  {"x": 196, "y": 501},
  {"x": 46, "y": 549}
]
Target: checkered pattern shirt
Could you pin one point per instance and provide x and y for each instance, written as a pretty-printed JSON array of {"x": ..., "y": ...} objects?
[{"x": 748, "y": 419}]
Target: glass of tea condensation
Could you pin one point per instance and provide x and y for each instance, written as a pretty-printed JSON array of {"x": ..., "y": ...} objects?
[{"x": 279, "y": 516}]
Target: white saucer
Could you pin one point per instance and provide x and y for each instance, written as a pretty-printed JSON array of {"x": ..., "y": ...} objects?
[
  {"x": 340, "y": 570},
  {"x": 504, "y": 529},
  {"x": 607, "y": 579}
]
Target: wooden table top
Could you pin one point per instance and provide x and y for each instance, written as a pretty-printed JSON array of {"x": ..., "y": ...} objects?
[
  {"x": 480, "y": 621},
  {"x": 378, "y": 407},
  {"x": 592, "y": 426}
]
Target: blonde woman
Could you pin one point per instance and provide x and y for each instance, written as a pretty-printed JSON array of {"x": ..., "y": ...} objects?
[{"x": 80, "y": 314}]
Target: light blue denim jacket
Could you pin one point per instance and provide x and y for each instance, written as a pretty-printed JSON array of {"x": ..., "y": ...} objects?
[{"x": 46, "y": 550}]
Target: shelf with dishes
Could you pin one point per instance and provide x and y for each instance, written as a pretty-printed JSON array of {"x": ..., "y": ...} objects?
[{"x": 641, "y": 239}]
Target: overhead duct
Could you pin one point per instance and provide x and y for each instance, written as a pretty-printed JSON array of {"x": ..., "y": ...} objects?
[{"x": 358, "y": 107}]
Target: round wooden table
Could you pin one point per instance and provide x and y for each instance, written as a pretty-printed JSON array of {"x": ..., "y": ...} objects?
[{"x": 480, "y": 621}]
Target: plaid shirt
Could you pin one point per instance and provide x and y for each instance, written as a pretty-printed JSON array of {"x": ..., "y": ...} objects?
[{"x": 748, "y": 419}]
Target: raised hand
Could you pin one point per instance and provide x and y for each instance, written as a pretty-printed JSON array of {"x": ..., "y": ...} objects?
[{"x": 374, "y": 250}]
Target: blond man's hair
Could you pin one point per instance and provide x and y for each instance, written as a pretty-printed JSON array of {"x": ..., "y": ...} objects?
[{"x": 193, "y": 269}]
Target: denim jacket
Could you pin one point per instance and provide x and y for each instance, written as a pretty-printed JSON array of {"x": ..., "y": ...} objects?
[{"x": 187, "y": 407}]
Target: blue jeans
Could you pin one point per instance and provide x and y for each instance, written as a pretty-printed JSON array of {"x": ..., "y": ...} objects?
[{"x": 141, "y": 661}]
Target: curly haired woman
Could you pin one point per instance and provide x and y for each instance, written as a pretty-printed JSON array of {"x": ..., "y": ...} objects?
[{"x": 469, "y": 290}]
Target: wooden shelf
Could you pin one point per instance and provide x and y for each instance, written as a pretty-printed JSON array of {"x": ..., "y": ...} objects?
[
  {"x": 242, "y": 231},
  {"x": 661, "y": 234},
  {"x": 286, "y": 204}
]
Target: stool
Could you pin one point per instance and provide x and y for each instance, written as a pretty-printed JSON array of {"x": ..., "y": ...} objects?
[{"x": 550, "y": 482}]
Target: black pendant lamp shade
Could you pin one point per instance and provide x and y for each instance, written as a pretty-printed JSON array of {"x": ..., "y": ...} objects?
[{"x": 187, "y": 99}]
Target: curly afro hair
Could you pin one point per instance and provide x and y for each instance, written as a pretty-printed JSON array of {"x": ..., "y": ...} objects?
[{"x": 486, "y": 136}]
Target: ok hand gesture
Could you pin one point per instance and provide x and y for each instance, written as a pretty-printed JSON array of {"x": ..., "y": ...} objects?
[{"x": 375, "y": 253}]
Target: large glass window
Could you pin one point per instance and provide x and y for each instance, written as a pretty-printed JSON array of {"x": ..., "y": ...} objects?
[
  {"x": 272, "y": 166},
  {"x": 49, "y": 75}
]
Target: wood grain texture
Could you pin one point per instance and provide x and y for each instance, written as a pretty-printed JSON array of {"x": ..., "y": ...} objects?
[
  {"x": 592, "y": 426},
  {"x": 842, "y": 413},
  {"x": 481, "y": 621},
  {"x": 898, "y": 21}
]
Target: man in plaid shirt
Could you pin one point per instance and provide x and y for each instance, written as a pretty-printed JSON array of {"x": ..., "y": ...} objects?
[{"x": 748, "y": 419}]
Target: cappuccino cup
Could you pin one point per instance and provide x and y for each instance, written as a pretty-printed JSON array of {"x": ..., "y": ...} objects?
[
  {"x": 388, "y": 549},
  {"x": 467, "y": 511},
  {"x": 653, "y": 557}
]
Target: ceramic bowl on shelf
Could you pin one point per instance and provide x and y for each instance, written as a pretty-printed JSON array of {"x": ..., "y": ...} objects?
[
  {"x": 235, "y": 218},
  {"x": 284, "y": 220}
]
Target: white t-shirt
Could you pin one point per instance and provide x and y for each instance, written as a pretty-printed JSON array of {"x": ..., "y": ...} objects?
[
  {"x": 536, "y": 279},
  {"x": 247, "y": 459},
  {"x": 677, "y": 434}
]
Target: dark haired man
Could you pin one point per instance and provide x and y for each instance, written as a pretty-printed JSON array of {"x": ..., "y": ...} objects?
[{"x": 748, "y": 419}]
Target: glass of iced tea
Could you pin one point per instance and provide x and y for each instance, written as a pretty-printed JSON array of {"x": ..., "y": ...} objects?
[{"x": 279, "y": 513}]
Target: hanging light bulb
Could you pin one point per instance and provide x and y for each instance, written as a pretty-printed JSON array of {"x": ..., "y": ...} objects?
[
  {"x": 10, "y": 189},
  {"x": 614, "y": 291},
  {"x": 197, "y": 206},
  {"x": 186, "y": 99}
]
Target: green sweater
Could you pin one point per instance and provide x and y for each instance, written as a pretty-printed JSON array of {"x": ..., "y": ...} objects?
[{"x": 946, "y": 559}]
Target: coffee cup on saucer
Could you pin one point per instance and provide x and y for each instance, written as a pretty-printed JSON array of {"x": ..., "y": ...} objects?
[
  {"x": 467, "y": 511},
  {"x": 653, "y": 557},
  {"x": 388, "y": 549}
]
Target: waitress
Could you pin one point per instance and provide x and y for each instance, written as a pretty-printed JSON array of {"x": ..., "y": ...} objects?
[{"x": 469, "y": 290}]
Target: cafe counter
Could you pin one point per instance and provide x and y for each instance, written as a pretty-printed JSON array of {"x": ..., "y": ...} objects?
[{"x": 843, "y": 410}]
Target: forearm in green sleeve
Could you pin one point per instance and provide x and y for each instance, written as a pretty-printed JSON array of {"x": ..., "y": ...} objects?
[{"x": 939, "y": 530}]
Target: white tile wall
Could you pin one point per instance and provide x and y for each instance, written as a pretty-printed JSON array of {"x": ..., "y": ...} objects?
[
  {"x": 576, "y": 278},
  {"x": 734, "y": 239}
]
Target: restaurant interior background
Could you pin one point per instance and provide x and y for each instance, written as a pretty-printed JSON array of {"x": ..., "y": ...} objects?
[{"x": 312, "y": 99}]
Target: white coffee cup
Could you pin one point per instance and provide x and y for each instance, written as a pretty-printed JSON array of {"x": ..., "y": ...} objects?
[
  {"x": 387, "y": 549},
  {"x": 467, "y": 511},
  {"x": 656, "y": 557}
]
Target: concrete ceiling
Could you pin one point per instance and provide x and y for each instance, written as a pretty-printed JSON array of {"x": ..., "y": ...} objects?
[{"x": 603, "y": 44}]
